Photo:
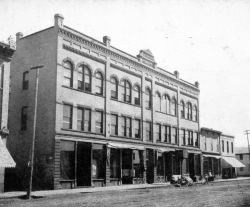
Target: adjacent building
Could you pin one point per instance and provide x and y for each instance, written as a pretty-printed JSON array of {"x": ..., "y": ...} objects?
[
  {"x": 242, "y": 155},
  {"x": 104, "y": 117},
  {"x": 6, "y": 53},
  {"x": 210, "y": 146}
]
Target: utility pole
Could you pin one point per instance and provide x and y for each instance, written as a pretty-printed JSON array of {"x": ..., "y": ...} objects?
[
  {"x": 33, "y": 134},
  {"x": 248, "y": 132}
]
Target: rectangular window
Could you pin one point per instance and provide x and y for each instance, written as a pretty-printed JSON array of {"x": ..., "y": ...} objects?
[
  {"x": 137, "y": 128},
  {"x": 158, "y": 132},
  {"x": 114, "y": 124},
  {"x": 67, "y": 116},
  {"x": 84, "y": 119},
  {"x": 25, "y": 80},
  {"x": 183, "y": 137},
  {"x": 212, "y": 146},
  {"x": 24, "y": 118},
  {"x": 167, "y": 134},
  {"x": 190, "y": 138},
  {"x": 123, "y": 127},
  {"x": 148, "y": 131},
  {"x": 174, "y": 134},
  {"x": 222, "y": 143},
  {"x": 241, "y": 157},
  {"x": 196, "y": 142},
  {"x": 99, "y": 122},
  {"x": 227, "y": 147},
  {"x": 232, "y": 147},
  {"x": 126, "y": 127},
  {"x": 98, "y": 82}
]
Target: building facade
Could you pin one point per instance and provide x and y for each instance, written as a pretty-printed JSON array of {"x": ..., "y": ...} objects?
[
  {"x": 104, "y": 117},
  {"x": 210, "y": 146},
  {"x": 242, "y": 155},
  {"x": 6, "y": 52}
]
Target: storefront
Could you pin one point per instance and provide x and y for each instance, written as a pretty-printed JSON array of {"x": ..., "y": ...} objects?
[
  {"x": 212, "y": 163},
  {"x": 228, "y": 167}
]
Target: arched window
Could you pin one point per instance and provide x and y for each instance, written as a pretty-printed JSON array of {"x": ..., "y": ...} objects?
[
  {"x": 167, "y": 105},
  {"x": 114, "y": 88},
  {"x": 164, "y": 104},
  {"x": 137, "y": 95},
  {"x": 148, "y": 98},
  {"x": 173, "y": 106},
  {"x": 84, "y": 78},
  {"x": 68, "y": 74},
  {"x": 189, "y": 111},
  {"x": 157, "y": 102},
  {"x": 195, "y": 114},
  {"x": 126, "y": 91},
  {"x": 99, "y": 83},
  {"x": 182, "y": 109}
]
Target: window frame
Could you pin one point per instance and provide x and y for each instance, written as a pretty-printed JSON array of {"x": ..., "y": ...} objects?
[
  {"x": 157, "y": 101},
  {"x": 101, "y": 123},
  {"x": 173, "y": 107},
  {"x": 83, "y": 76},
  {"x": 139, "y": 128},
  {"x": 167, "y": 135},
  {"x": 158, "y": 132},
  {"x": 126, "y": 91},
  {"x": 70, "y": 68},
  {"x": 148, "y": 131},
  {"x": 182, "y": 109},
  {"x": 114, "y": 125},
  {"x": 116, "y": 88},
  {"x": 189, "y": 111},
  {"x": 83, "y": 119},
  {"x": 25, "y": 82},
  {"x": 70, "y": 117},
  {"x": 222, "y": 144},
  {"x": 148, "y": 99},
  {"x": 195, "y": 114},
  {"x": 101, "y": 86},
  {"x": 137, "y": 99}
]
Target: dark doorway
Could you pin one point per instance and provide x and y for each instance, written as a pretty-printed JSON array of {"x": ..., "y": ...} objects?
[
  {"x": 127, "y": 161},
  {"x": 150, "y": 165},
  {"x": 83, "y": 164},
  {"x": 191, "y": 165}
]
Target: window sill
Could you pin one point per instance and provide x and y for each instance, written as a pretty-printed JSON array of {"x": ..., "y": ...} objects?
[
  {"x": 75, "y": 89},
  {"x": 166, "y": 113},
  {"x": 72, "y": 130},
  {"x": 113, "y": 99}
]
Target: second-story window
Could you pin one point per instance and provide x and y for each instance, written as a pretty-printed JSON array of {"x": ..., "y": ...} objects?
[
  {"x": 157, "y": 102},
  {"x": 222, "y": 144},
  {"x": 99, "y": 122},
  {"x": 114, "y": 88},
  {"x": 148, "y": 98},
  {"x": 232, "y": 147},
  {"x": 99, "y": 84},
  {"x": 137, "y": 95},
  {"x": 174, "y": 135},
  {"x": 84, "y": 78},
  {"x": 173, "y": 106},
  {"x": 212, "y": 146},
  {"x": 126, "y": 126},
  {"x": 196, "y": 141},
  {"x": 25, "y": 80},
  {"x": 24, "y": 117},
  {"x": 195, "y": 114},
  {"x": 137, "y": 128},
  {"x": 167, "y": 134},
  {"x": 190, "y": 138},
  {"x": 84, "y": 119},
  {"x": 241, "y": 157},
  {"x": 68, "y": 74},
  {"x": 189, "y": 111},
  {"x": 67, "y": 116},
  {"x": 158, "y": 132},
  {"x": 148, "y": 131},
  {"x": 114, "y": 124},
  {"x": 227, "y": 147},
  {"x": 183, "y": 136}
]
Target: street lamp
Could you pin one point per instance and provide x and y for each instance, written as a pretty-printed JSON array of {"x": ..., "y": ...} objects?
[{"x": 34, "y": 134}]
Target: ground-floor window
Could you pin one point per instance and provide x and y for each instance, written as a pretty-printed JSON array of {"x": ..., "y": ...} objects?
[
  {"x": 98, "y": 162},
  {"x": 138, "y": 163},
  {"x": 67, "y": 164},
  {"x": 160, "y": 164},
  {"x": 115, "y": 169}
]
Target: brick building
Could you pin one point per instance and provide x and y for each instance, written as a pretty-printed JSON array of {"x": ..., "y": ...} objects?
[
  {"x": 6, "y": 52},
  {"x": 104, "y": 117},
  {"x": 210, "y": 146}
]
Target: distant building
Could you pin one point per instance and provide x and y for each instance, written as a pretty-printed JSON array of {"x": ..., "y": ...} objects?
[
  {"x": 210, "y": 146},
  {"x": 242, "y": 154},
  {"x": 229, "y": 163},
  {"x": 104, "y": 117},
  {"x": 6, "y": 52}
]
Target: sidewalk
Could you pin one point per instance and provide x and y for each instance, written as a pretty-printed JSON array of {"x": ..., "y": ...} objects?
[{"x": 16, "y": 194}]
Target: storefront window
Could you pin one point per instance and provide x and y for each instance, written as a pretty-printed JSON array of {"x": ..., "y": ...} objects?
[
  {"x": 115, "y": 171},
  {"x": 138, "y": 163},
  {"x": 98, "y": 162},
  {"x": 160, "y": 166},
  {"x": 67, "y": 160}
]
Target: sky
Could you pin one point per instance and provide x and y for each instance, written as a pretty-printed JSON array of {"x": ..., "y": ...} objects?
[{"x": 206, "y": 41}]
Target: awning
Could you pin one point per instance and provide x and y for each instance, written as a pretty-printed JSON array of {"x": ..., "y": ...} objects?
[
  {"x": 214, "y": 156},
  {"x": 231, "y": 162},
  {"x": 124, "y": 146},
  {"x": 5, "y": 157}
]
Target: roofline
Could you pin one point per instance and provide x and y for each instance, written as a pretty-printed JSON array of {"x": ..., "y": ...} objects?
[
  {"x": 210, "y": 129},
  {"x": 227, "y": 135},
  {"x": 37, "y": 32}
]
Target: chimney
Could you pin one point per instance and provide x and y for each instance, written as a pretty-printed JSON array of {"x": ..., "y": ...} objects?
[
  {"x": 106, "y": 41},
  {"x": 58, "y": 20},
  {"x": 177, "y": 74},
  {"x": 19, "y": 35},
  {"x": 197, "y": 84}
]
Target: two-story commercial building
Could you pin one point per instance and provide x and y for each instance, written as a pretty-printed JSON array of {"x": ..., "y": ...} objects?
[
  {"x": 6, "y": 52},
  {"x": 242, "y": 155},
  {"x": 104, "y": 117}
]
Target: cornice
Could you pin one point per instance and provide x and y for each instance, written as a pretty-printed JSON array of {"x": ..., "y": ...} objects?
[{"x": 107, "y": 51}]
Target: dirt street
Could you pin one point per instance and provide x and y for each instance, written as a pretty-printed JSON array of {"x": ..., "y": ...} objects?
[{"x": 235, "y": 193}]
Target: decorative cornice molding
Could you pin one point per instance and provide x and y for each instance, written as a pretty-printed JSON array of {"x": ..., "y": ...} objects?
[
  {"x": 124, "y": 70},
  {"x": 106, "y": 51},
  {"x": 189, "y": 95}
]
